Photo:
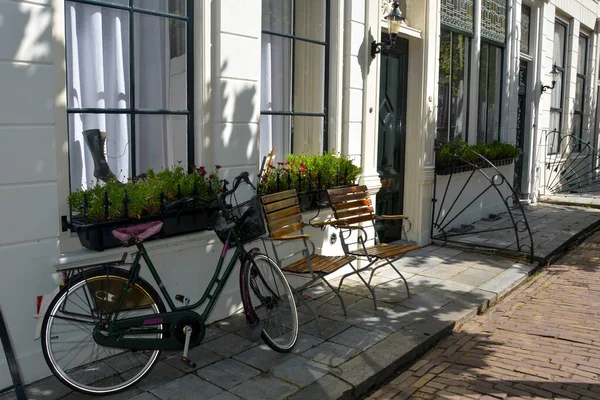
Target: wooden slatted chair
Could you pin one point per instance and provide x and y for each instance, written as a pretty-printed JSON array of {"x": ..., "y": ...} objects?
[
  {"x": 353, "y": 211},
  {"x": 285, "y": 224}
]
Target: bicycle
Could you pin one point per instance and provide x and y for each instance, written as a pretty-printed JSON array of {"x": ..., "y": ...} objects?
[{"x": 105, "y": 329}]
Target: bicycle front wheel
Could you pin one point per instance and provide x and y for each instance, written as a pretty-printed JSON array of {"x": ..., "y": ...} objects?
[
  {"x": 273, "y": 302},
  {"x": 77, "y": 310}
]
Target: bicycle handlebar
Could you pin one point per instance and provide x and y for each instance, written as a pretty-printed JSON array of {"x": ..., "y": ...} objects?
[{"x": 221, "y": 197}]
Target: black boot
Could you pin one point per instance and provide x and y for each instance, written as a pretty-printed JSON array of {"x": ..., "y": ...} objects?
[{"x": 96, "y": 142}]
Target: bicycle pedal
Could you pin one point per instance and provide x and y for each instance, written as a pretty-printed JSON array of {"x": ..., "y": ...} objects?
[
  {"x": 189, "y": 363},
  {"x": 182, "y": 299}
]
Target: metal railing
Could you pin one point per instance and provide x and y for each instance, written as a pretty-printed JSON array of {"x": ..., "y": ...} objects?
[
  {"x": 472, "y": 184},
  {"x": 569, "y": 164}
]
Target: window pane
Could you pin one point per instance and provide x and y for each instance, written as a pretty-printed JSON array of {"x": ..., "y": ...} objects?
[
  {"x": 556, "y": 100},
  {"x": 577, "y": 125},
  {"x": 444, "y": 86},
  {"x": 160, "y": 69},
  {"x": 309, "y": 77},
  {"x": 92, "y": 151},
  {"x": 582, "y": 63},
  {"x": 97, "y": 44},
  {"x": 310, "y": 19},
  {"x": 276, "y": 73},
  {"x": 579, "y": 94},
  {"x": 483, "y": 93},
  {"x": 275, "y": 133},
  {"x": 160, "y": 142},
  {"x": 559, "y": 44},
  {"x": 553, "y": 137},
  {"x": 460, "y": 69},
  {"x": 494, "y": 91},
  {"x": 525, "y": 28},
  {"x": 277, "y": 16},
  {"x": 176, "y": 7},
  {"x": 308, "y": 135}
]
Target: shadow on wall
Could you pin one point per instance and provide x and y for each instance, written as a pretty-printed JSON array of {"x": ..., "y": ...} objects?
[{"x": 235, "y": 143}]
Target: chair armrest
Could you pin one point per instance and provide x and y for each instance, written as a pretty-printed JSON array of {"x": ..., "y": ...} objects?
[
  {"x": 294, "y": 237},
  {"x": 392, "y": 217}
]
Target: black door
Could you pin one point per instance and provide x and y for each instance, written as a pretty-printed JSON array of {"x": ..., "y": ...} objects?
[{"x": 392, "y": 137}]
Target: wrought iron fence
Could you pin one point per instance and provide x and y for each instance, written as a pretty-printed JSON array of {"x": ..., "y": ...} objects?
[
  {"x": 569, "y": 164},
  {"x": 474, "y": 202}
]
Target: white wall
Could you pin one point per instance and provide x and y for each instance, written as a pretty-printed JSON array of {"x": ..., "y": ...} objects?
[{"x": 28, "y": 190}]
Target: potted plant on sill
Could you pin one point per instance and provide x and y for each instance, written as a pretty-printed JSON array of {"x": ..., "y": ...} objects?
[
  {"x": 310, "y": 175},
  {"x": 100, "y": 209},
  {"x": 456, "y": 157}
]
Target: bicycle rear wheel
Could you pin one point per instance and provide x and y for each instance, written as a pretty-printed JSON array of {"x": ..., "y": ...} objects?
[
  {"x": 273, "y": 302},
  {"x": 67, "y": 333}
]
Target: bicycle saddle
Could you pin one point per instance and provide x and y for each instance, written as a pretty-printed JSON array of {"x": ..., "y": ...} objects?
[{"x": 137, "y": 233}]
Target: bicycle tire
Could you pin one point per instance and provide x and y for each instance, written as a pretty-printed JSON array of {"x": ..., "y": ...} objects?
[
  {"x": 269, "y": 289},
  {"x": 112, "y": 371}
]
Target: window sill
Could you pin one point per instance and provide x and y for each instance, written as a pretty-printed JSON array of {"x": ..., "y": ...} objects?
[{"x": 83, "y": 256}]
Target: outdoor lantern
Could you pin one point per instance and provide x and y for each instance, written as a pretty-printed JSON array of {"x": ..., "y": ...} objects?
[
  {"x": 554, "y": 74},
  {"x": 394, "y": 20}
]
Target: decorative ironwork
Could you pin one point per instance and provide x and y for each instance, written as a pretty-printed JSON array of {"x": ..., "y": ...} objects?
[
  {"x": 457, "y": 14},
  {"x": 493, "y": 20},
  {"x": 525, "y": 28},
  {"x": 572, "y": 168},
  {"x": 520, "y": 134},
  {"x": 459, "y": 198}
]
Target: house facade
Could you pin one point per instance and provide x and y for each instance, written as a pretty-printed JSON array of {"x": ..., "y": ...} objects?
[{"x": 208, "y": 82}]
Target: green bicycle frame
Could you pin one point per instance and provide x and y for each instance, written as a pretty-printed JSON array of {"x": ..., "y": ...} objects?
[{"x": 211, "y": 293}]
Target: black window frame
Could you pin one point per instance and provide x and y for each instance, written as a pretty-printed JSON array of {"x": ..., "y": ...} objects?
[
  {"x": 561, "y": 72},
  {"x": 326, "y": 45},
  {"x": 469, "y": 37},
  {"x": 132, "y": 111}
]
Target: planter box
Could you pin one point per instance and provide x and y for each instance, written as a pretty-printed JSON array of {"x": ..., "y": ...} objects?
[
  {"x": 448, "y": 169},
  {"x": 98, "y": 236}
]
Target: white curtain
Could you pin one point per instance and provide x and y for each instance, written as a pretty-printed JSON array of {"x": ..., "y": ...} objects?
[
  {"x": 275, "y": 79},
  {"x": 98, "y": 76}
]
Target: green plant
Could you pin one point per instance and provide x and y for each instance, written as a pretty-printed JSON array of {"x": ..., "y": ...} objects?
[
  {"x": 458, "y": 152},
  {"x": 144, "y": 195},
  {"x": 304, "y": 173}
]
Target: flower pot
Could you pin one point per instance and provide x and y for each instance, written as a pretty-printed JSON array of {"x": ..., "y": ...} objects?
[{"x": 98, "y": 236}]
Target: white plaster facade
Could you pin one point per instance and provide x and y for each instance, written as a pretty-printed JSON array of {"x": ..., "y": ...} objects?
[{"x": 34, "y": 177}]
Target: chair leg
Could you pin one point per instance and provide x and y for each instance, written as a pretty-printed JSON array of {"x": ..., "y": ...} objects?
[
  {"x": 401, "y": 276},
  {"x": 337, "y": 293},
  {"x": 312, "y": 310},
  {"x": 367, "y": 284}
]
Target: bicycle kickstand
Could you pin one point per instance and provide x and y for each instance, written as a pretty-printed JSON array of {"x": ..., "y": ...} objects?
[{"x": 184, "y": 359}]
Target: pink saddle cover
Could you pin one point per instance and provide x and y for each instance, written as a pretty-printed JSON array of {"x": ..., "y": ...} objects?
[{"x": 138, "y": 233}]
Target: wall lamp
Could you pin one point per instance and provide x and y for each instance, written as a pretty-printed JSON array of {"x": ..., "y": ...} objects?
[
  {"x": 554, "y": 74},
  {"x": 394, "y": 20}
]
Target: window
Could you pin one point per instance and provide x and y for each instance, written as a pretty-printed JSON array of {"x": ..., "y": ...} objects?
[
  {"x": 580, "y": 88},
  {"x": 129, "y": 74},
  {"x": 453, "y": 85},
  {"x": 490, "y": 89},
  {"x": 556, "y": 101},
  {"x": 525, "y": 29},
  {"x": 294, "y": 77}
]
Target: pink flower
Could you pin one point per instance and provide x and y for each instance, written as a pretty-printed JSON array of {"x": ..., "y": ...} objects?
[{"x": 218, "y": 166}]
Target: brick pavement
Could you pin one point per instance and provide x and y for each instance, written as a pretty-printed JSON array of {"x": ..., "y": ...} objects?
[{"x": 542, "y": 341}]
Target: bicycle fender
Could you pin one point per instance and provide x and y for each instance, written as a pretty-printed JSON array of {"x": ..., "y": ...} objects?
[{"x": 254, "y": 324}]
